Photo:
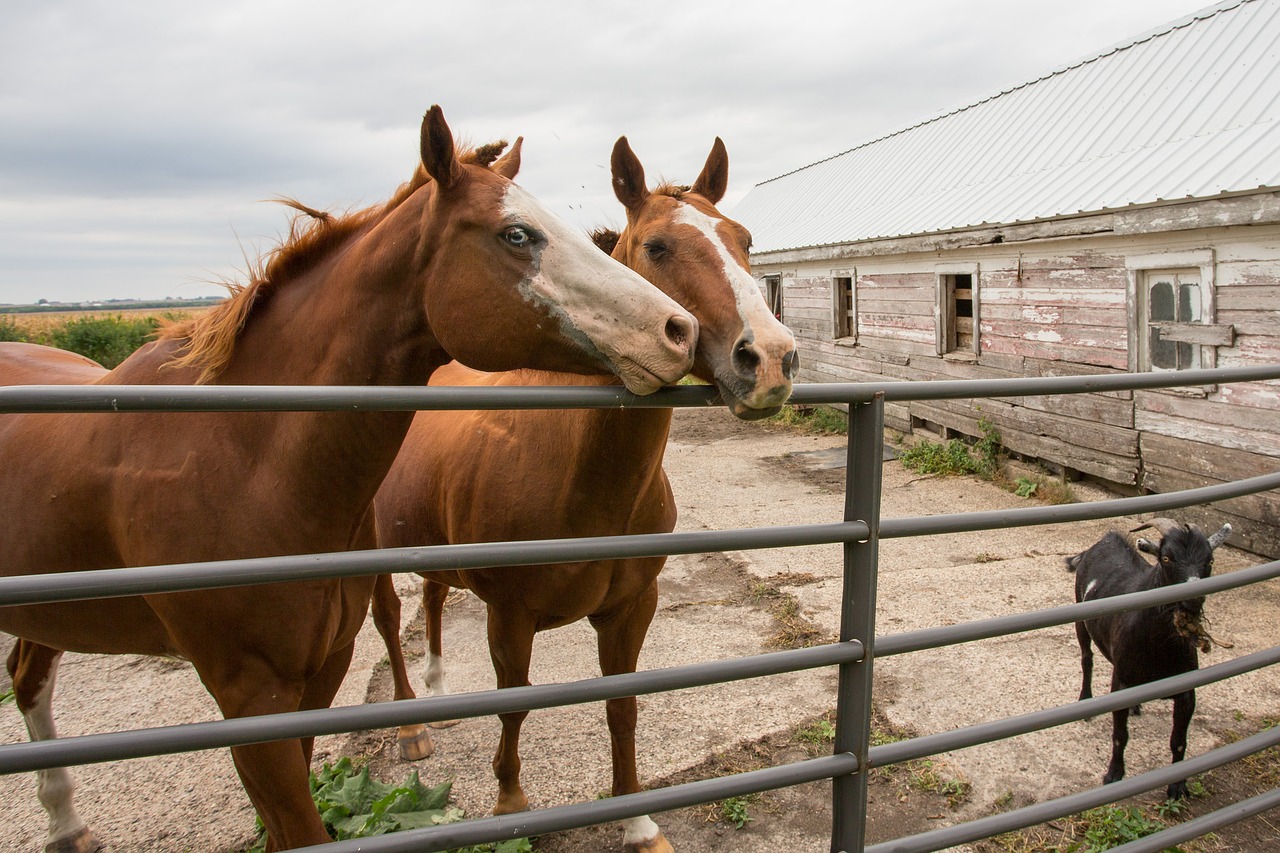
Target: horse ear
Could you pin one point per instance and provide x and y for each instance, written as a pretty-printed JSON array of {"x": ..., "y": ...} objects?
[
  {"x": 439, "y": 157},
  {"x": 714, "y": 180},
  {"x": 628, "y": 175},
  {"x": 509, "y": 164}
]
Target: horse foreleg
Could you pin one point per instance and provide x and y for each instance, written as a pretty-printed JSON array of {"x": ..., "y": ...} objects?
[
  {"x": 274, "y": 774},
  {"x": 510, "y": 647},
  {"x": 414, "y": 740},
  {"x": 434, "y": 594},
  {"x": 33, "y": 669},
  {"x": 620, "y": 637}
]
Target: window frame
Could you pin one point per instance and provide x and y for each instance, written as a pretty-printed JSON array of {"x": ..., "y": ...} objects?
[
  {"x": 944, "y": 310},
  {"x": 844, "y": 307},
  {"x": 1138, "y": 270},
  {"x": 771, "y": 290}
]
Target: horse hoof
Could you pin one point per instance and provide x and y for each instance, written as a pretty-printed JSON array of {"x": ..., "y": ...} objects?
[
  {"x": 80, "y": 841},
  {"x": 444, "y": 724},
  {"x": 657, "y": 844},
  {"x": 417, "y": 746},
  {"x": 511, "y": 805}
]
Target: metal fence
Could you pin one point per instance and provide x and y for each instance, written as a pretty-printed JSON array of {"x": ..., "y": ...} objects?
[{"x": 854, "y": 654}]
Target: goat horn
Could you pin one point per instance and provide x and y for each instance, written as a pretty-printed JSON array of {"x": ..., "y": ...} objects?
[
  {"x": 1163, "y": 525},
  {"x": 1221, "y": 536}
]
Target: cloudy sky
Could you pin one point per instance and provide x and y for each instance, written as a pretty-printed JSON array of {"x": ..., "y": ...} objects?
[{"x": 138, "y": 140}]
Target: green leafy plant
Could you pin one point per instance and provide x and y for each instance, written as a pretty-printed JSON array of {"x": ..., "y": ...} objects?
[
  {"x": 1112, "y": 826},
  {"x": 1024, "y": 488},
  {"x": 106, "y": 340},
  {"x": 736, "y": 811},
  {"x": 9, "y": 329},
  {"x": 352, "y": 805}
]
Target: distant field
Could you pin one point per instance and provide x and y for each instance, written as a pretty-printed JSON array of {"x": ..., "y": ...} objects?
[{"x": 44, "y": 321}]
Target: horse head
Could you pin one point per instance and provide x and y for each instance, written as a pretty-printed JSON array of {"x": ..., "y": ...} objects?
[
  {"x": 566, "y": 307},
  {"x": 677, "y": 239}
]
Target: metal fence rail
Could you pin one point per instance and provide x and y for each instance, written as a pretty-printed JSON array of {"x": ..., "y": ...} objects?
[{"x": 859, "y": 533}]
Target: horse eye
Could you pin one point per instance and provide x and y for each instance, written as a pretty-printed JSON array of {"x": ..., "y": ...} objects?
[
  {"x": 655, "y": 249},
  {"x": 517, "y": 236}
]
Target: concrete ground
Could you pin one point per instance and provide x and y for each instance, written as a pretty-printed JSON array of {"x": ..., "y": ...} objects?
[{"x": 724, "y": 474}]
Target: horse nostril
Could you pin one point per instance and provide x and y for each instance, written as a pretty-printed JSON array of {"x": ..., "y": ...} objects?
[
  {"x": 745, "y": 359},
  {"x": 681, "y": 332},
  {"x": 791, "y": 364}
]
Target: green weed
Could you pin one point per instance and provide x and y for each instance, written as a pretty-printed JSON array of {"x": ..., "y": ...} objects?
[
  {"x": 737, "y": 811},
  {"x": 1112, "y": 826},
  {"x": 354, "y": 806},
  {"x": 818, "y": 733},
  {"x": 820, "y": 420}
]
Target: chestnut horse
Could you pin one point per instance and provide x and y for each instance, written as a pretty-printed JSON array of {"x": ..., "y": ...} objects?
[
  {"x": 460, "y": 263},
  {"x": 504, "y": 475}
]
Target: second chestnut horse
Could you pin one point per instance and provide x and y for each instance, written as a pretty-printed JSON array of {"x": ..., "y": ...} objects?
[{"x": 507, "y": 475}]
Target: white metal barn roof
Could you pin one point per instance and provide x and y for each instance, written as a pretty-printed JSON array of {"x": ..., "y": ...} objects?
[{"x": 1188, "y": 110}]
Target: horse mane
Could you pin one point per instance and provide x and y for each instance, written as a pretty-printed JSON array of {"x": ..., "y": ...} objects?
[
  {"x": 606, "y": 239},
  {"x": 669, "y": 188},
  {"x": 208, "y": 340}
]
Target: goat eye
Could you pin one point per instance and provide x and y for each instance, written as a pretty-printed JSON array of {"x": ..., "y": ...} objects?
[
  {"x": 1166, "y": 559},
  {"x": 517, "y": 236}
]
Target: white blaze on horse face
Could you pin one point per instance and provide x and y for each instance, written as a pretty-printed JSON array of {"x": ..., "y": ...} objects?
[
  {"x": 757, "y": 320},
  {"x": 54, "y": 787},
  {"x": 602, "y": 305}
]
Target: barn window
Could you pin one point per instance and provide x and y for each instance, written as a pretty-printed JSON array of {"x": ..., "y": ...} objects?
[
  {"x": 844, "y": 308},
  {"x": 773, "y": 294},
  {"x": 957, "y": 312},
  {"x": 1172, "y": 320}
]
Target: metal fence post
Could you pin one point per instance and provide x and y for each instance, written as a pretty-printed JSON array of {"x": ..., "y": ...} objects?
[{"x": 858, "y": 621}]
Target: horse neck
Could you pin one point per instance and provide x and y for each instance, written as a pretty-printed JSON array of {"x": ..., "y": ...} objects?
[
  {"x": 355, "y": 317},
  {"x": 623, "y": 447}
]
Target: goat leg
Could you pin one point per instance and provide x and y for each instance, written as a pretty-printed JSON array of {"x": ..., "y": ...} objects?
[
  {"x": 1119, "y": 740},
  {"x": 1184, "y": 705}
]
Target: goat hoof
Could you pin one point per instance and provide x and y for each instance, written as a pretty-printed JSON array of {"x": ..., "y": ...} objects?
[
  {"x": 80, "y": 841},
  {"x": 1177, "y": 791},
  {"x": 444, "y": 724},
  {"x": 415, "y": 743}
]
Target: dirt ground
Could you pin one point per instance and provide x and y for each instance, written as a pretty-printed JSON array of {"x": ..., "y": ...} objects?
[{"x": 725, "y": 474}]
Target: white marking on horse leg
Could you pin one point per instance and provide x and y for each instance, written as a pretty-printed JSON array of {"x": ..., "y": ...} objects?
[
  {"x": 1089, "y": 589},
  {"x": 638, "y": 830},
  {"x": 54, "y": 787},
  {"x": 433, "y": 675}
]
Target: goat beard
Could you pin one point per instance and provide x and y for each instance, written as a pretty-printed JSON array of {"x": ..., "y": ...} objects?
[{"x": 1196, "y": 629}]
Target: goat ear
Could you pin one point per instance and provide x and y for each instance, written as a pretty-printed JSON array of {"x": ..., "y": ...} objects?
[
  {"x": 1146, "y": 546},
  {"x": 1221, "y": 536}
]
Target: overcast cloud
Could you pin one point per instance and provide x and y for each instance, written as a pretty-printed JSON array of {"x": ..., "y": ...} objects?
[{"x": 138, "y": 140}]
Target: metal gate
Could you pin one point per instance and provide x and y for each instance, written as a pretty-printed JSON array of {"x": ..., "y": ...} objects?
[{"x": 854, "y": 653}]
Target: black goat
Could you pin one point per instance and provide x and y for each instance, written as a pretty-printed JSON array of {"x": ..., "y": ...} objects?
[{"x": 1150, "y": 644}]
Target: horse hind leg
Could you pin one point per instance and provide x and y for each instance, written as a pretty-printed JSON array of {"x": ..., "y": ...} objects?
[
  {"x": 34, "y": 670},
  {"x": 414, "y": 740},
  {"x": 434, "y": 594}
]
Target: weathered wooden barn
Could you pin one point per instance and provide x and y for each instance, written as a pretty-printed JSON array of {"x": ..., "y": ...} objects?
[{"x": 1119, "y": 214}]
